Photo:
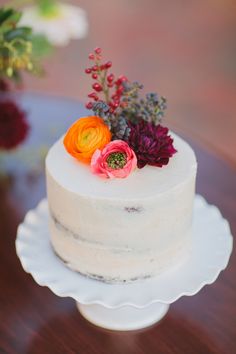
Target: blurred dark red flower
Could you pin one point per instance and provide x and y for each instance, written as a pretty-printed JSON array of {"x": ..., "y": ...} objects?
[
  {"x": 151, "y": 144},
  {"x": 4, "y": 86},
  {"x": 13, "y": 125}
]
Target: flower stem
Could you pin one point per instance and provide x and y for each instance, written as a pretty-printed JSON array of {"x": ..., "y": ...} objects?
[
  {"x": 103, "y": 82},
  {"x": 105, "y": 88}
]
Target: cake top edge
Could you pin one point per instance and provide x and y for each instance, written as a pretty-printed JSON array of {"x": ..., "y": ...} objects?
[{"x": 75, "y": 177}]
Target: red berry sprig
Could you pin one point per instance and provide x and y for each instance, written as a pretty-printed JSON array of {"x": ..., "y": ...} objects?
[{"x": 105, "y": 83}]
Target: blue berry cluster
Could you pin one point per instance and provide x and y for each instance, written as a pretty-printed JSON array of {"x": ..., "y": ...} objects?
[
  {"x": 116, "y": 123},
  {"x": 150, "y": 109},
  {"x": 132, "y": 108}
]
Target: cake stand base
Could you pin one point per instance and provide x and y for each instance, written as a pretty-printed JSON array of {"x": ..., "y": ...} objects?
[{"x": 125, "y": 318}]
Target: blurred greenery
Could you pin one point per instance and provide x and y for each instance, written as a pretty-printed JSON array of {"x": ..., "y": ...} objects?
[
  {"x": 20, "y": 49},
  {"x": 40, "y": 46}
]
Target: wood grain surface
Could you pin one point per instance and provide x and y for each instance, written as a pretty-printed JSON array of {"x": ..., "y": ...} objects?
[{"x": 33, "y": 320}]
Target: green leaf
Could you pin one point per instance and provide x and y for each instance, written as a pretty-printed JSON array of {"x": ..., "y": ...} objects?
[
  {"x": 5, "y": 13},
  {"x": 10, "y": 22},
  {"x": 5, "y": 28},
  {"x": 13, "y": 19},
  {"x": 21, "y": 32},
  {"x": 40, "y": 46}
]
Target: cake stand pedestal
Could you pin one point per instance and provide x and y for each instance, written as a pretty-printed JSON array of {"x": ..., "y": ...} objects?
[
  {"x": 134, "y": 305},
  {"x": 123, "y": 318}
]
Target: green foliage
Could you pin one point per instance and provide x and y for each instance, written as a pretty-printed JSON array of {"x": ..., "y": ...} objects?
[
  {"x": 40, "y": 46},
  {"x": 9, "y": 16},
  {"x": 20, "y": 49},
  {"x": 20, "y": 32}
]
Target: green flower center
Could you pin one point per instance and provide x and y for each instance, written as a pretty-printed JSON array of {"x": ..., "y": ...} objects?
[
  {"x": 48, "y": 8},
  {"x": 117, "y": 160}
]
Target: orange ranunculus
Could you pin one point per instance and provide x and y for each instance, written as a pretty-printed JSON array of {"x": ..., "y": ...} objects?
[{"x": 85, "y": 136}]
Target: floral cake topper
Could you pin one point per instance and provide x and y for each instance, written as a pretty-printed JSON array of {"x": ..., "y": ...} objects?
[{"x": 125, "y": 129}]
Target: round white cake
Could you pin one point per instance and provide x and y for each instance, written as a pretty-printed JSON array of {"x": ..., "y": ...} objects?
[{"x": 121, "y": 230}]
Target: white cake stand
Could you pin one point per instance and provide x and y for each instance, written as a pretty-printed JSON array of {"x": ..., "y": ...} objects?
[{"x": 134, "y": 305}]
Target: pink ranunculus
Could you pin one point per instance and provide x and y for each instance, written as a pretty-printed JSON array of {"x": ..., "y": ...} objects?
[{"x": 116, "y": 160}]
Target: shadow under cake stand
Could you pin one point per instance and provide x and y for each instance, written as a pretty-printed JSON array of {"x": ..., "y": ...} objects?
[{"x": 134, "y": 305}]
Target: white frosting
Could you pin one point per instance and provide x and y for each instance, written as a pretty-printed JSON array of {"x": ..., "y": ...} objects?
[{"x": 121, "y": 229}]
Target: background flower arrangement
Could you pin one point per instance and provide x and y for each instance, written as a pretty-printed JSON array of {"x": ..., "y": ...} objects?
[
  {"x": 20, "y": 48},
  {"x": 13, "y": 125},
  {"x": 133, "y": 121},
  {"x": 27, "y": 36},
  {"x": 58, "y": 21}
]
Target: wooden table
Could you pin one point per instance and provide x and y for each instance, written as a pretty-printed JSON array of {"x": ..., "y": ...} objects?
[{"x": 33, "y": 320}]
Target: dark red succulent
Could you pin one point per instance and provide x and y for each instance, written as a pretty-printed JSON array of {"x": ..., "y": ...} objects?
[
  {"x": 151, "y": 144},
  {"x": 13, "y": 125}
]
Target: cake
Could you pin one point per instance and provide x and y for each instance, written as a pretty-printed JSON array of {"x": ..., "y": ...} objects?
[
  {"x": 120, "y": 207},
  {"x": 121, "y": 229}
]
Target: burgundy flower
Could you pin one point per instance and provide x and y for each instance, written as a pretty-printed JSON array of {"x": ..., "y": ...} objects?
[
  {"x": 13, "y": 125},
  {"x": 4, "y": 87},
  {"x": 151, "y": 144}
]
